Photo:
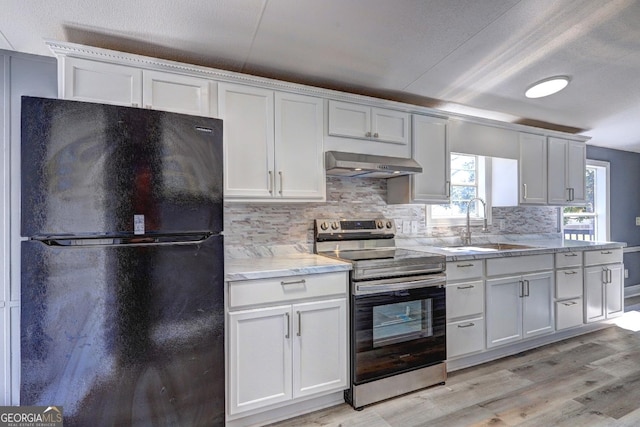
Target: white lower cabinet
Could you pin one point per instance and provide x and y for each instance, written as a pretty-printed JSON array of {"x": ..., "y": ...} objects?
[
  {"x": 288, "y": 350},
  {"x": 519, "y": 307},
  {"x": 465, "y": 308},
  {"x": 603, "y": 292}
]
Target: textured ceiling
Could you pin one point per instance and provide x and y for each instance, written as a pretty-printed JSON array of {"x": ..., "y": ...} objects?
[{"x": 474, "y": 56}]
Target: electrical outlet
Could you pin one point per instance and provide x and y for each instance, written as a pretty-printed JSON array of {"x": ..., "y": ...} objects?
[
  {"x": 626, "y": 273},
  {"x": 638, "y": 220},
  {"x": 406, "y": 227},
  {"x": 414, "y": 227}
]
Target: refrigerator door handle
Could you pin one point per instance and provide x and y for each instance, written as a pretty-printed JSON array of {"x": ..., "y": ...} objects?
[{"x": 181, "y": 239}]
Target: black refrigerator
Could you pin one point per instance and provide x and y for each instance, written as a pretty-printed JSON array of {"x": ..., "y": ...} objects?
[{"x": 122, "y": 313}]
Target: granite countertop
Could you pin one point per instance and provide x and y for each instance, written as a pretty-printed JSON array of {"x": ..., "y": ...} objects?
[
  {"x": 542, "y": 246},
  {"x": 281, "y": 266}
]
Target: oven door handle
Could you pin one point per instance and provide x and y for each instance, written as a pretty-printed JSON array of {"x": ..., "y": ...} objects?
[{"x": 390, "y": 287}]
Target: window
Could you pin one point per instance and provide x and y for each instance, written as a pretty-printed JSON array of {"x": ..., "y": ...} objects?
[
  {"x": 469, "y": 177},
  {"x": 590, "y": 222}
]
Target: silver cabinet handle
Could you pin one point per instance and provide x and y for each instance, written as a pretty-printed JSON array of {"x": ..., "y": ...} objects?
[
  {"x": 270, "y": 182},
  {"x": 281, "y": 182},
  {"x": 466, "y": 287},
  {"x": 606, "y": 252},
  {"x": 368, "y": 134},
  {"x": 568, "y": 192},
  {"x": 299, "y": 324},
  {"x": 609, "y": 276},
  {"x": 467, "y": 325},
  {"x": 464, "y": 265},
  {"x": 288, "y": 325},
  {"x": 521, "y": 282},
  {"x": 294, "y": 282},
  {"x": 525, "y": 191},
  {"x": 569, "y": 304},
  {"x": 573, "y": 194},
  {"x": 571, "y": 254},
  {"x": 604, "y": 275},
  {"x": 568, "y": 273},
  {"x": 527, "y": 283}
]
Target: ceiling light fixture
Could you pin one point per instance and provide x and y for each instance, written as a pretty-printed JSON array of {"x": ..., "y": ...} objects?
[{"x": 547, "y": 87}]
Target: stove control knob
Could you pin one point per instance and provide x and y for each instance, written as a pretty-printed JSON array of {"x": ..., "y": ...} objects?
[
  {"x": 379, "y": 224},
  {"x": 335, "y": 226},
  {"x": 324, "y": 225},
  {"x": 389, "y": 224}
]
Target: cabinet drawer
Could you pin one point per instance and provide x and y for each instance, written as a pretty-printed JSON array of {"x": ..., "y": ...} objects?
[
  {"x": 465, "y": 337},
  {"x": 568, "y": 259},
  {"x": 461, "y": 270},
  {"x": 465, "y": 299},
  {"x": 520, "y": 264},
  {"x": 569, "y": 283},
  {"x": 283, "y": 289},
  {"x": 568, "y": 313},
  {"x": 603, "y": 256}
]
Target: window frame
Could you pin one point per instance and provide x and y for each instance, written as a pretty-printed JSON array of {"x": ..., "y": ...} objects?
[
  {"x": 483, "y": 174},
  {"x": 602, "y": 211}
]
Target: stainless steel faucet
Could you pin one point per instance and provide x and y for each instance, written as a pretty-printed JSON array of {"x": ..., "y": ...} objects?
[{"x": 466, "y": 233}]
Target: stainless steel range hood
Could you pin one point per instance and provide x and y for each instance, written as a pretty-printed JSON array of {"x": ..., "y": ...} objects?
[{"x": 339, "y": 163}]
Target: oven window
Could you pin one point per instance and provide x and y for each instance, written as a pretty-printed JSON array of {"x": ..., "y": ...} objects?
[{"x": 402, "y": 321}]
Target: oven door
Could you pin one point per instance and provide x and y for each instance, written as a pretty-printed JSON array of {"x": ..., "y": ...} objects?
[{"x": 398, "y": 328}]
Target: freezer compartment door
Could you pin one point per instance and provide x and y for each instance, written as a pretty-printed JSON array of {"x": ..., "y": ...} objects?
[
  {"x": 104, "y": 169},
  {"x": 130, "y": 335}
]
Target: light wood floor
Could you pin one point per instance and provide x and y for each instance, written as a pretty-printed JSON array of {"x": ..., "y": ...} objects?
[{"x": 591, "y": 380}]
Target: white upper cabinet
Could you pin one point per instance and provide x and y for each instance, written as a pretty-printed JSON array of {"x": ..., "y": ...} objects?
[
  {"x": 94, "y": 81},
  {"x": 175, "y": 92},
  {"x": 532, "y": 167},
  {"x": 272, "y": 145},
  {"x": 431, "y": 150},
  {"x": 364, "y": 122},
  {"x": 567, "y": 167}
]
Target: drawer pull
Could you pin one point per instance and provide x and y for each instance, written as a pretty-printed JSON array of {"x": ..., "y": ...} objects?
[
  {"x": 295, "y": 282},
  {"x": 466, "y": 287},
  {"x": 571, "y": 254},
  {"x": 570, "y": 272},
  {"x": 467, "y": 325},
  {"x": 606, "y": 252},
  {"x": 569, "y": 304},
  {"x": 464, "y": 265}
]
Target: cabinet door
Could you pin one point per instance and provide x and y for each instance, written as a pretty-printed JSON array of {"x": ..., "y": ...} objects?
[
  {"x": 95, "y": 81},
  {"x": 533, "y": 169},
  {"x": 175, "y": 92},
  {"x": 390, "y": 126},
  {"x": 299, "y": 166},
  {"x": 537, "y": 311},
  {"x": 614, "y": 291},
  {"x": 320, "y": 347},
  {"x": 350, "y": 120},
  {"x": 504, "y": 311},
  {"x": 594, "y": 297},
  {"x": 558, "y": 191},
  {"x": 576, "y": 170},
  {"x": 431, "y": 151},
  {"x": 248, "y": 141},
  {"x": 259, "y": 358}
]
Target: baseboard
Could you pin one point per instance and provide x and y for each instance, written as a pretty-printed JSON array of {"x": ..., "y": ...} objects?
[{"x": 631, "y": 291}]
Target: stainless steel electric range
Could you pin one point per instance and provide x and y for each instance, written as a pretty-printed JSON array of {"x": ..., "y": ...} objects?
[{"x": 397, "y": 309}]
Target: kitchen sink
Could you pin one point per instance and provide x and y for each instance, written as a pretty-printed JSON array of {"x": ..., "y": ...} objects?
[{"x": 488, "y": 247}]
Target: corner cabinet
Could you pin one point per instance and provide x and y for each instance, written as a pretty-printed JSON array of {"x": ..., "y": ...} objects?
[
  {"x": 430, "y": 147},
  {"x": 94, "y": 81},
  {"x": 532, "y": 166},
  {"x": 567, "y": 166},
  {"x": 292, "y": 345},
  {"x": 272, "y": 145}
]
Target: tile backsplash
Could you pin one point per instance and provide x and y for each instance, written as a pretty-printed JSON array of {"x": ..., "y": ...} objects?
[{"x": 260, "y": 224}]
